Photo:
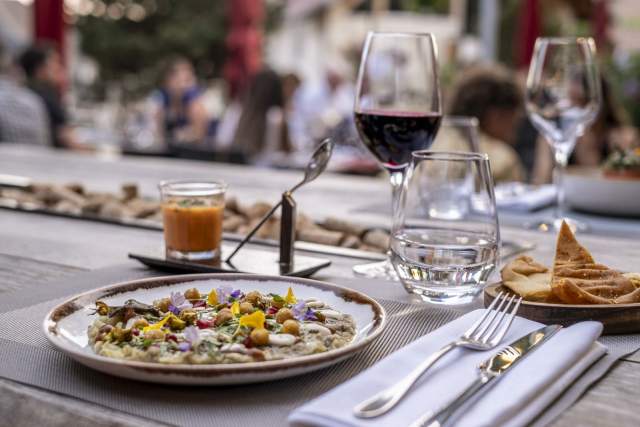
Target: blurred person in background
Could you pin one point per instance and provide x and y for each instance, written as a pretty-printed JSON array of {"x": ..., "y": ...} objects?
[
  {"x": 491, "y": 95},
  {"x": 262, "y": 134},
  {"x": 322, "y": 108},
  {"x": 23, "y": 117},
  {"x": 609, "y": 131},
  {"x": 181, "y": 115},
  {"x": 45, "y": 75}
]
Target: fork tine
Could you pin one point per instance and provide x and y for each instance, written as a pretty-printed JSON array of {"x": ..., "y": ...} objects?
[
  {"x": 478, "y": 322},
  {"x": 505, "y": 328},
  {"x": 495, "y": 325},
  {"x": 488, "y": 325}
]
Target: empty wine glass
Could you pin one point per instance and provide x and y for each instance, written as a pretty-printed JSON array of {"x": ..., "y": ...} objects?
[
  {"x": 445, "y": 241},
  {"x": 562, "y": 98},
  {"x": 397, "y": 107}
]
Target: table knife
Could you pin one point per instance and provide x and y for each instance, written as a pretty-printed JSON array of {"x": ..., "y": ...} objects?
[{"x": 489, "y": 372}]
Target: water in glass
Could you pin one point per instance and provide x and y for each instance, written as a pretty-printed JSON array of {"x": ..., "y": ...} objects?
[{"x": 441, "y": 265}]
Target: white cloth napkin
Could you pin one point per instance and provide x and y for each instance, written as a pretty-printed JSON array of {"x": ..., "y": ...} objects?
[
  {"x": 517, "y": 398},
  {"x": 524, "y": 198}
]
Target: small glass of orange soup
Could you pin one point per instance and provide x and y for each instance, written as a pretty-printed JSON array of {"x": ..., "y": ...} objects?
[{"x": 192, "y": 213}]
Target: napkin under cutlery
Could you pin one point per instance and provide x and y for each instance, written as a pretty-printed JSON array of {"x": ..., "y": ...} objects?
[{"x": 515, "y": 400}]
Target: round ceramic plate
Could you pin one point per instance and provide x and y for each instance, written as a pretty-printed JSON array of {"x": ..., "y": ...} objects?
[
  {"x": 615, "y": 318},
  {"x": 588, "y": 190},
  {"x": 66, "y": 328}
]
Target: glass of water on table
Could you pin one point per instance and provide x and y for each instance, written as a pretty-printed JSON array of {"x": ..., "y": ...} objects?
[{"x": 445, "y": 240}]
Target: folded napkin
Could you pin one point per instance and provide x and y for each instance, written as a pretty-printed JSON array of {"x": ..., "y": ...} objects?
[
  {"x": 515, "y": 400},
  {"x": 524, "y": 198}
]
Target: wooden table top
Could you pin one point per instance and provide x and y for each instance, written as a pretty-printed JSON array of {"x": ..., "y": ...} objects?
[{"x": 42, "y": 249}]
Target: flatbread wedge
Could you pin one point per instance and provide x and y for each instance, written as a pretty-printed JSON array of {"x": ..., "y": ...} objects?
[
  {"x": 527, "y": 278},
  {"x": 578, "y": 279}
]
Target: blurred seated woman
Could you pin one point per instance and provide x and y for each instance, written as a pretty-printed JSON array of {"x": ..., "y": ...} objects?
[
  {"x": 609, "y": 131},
  {"x": 182, "y": 117},
  {"x": 491, "y": 95},
  {"x": 262, "y": 136}
]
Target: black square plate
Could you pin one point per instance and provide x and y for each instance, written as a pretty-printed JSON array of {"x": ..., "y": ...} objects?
[{"x": 248, "y": 260}]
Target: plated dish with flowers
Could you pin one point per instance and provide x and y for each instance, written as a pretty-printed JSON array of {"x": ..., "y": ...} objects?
[
  {"x": 210, "y": 329},
  {"x": 223, "y": 325}
]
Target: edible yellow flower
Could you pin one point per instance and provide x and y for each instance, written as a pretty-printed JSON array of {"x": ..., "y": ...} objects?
[
  {"x": 212, "y": 299},
  {"x": 160, "y": 324},
  {"x": 235, "y": 308},
  {"x": 290, "y": 298},
  {"x": 254, "y": 320}
]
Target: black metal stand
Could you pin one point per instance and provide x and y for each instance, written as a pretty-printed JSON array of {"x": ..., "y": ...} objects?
[{"x": 287, "y": 233}]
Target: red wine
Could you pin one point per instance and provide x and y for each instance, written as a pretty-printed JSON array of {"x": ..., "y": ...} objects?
[{"x": 393, "y": 136}]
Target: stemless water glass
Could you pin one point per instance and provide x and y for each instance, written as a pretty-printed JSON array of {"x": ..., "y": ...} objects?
[
  {"x": 397, "y": 107},
  {"x": 563, "y": 97},
  {"x": 445, "y": 241}
]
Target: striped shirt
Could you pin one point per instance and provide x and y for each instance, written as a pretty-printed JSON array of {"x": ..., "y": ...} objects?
[{"x": 23, "y": 117}]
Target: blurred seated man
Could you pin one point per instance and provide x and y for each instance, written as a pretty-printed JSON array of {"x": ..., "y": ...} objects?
[
  {"x": 182, "y": 116},
  {"x": 43, "y": 68},
  {"x": 23, "y": 117},
  {"x": 491, "y": 95}
]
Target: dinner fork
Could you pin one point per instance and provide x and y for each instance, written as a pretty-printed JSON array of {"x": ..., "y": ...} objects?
[{"x": 485, "y": 334}]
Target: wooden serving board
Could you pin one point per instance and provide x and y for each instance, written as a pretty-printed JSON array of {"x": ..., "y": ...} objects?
[{"x": 616, "y": 318}]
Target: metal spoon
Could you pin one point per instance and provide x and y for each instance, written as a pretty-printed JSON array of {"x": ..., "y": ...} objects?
[{"x": 317, "y": 165}]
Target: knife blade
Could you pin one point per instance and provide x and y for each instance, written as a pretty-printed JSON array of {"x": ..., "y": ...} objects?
[{"x": 489, "y": 372}]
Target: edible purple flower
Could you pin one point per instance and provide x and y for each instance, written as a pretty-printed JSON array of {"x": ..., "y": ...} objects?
[
  {"x": 223, "y": 293},
  {"x": 178, "y": 303},
  {"x": 184, "y": 346},
  {"x": 310, "y": 315},
  {"x": 237, "y": 294},
  {"x": 299, "y": 310},
  {"x": 192, "y": 335}
]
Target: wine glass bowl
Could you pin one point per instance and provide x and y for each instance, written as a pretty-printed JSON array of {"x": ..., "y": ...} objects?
[{"x": 397, "y": 106}]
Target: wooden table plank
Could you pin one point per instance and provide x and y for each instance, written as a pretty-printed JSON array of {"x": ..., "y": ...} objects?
[
  {"x": 22, "y": 405},
  {"x": 16, "y": 272},
  {"x": 612, "y": 401}
]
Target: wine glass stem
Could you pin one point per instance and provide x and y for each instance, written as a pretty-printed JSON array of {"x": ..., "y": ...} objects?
[
  {"x": 396, "y": 177},
  {"x": 561, "y": 160}
]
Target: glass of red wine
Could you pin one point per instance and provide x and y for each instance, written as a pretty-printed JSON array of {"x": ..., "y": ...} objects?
[{"x": 397, "y": 109}]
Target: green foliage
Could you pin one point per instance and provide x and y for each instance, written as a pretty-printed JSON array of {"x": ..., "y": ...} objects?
[
  {"x": 425, "y": 6},
  {"x": 625, "y": 80},
  {"x": 133, "y": 52}
]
